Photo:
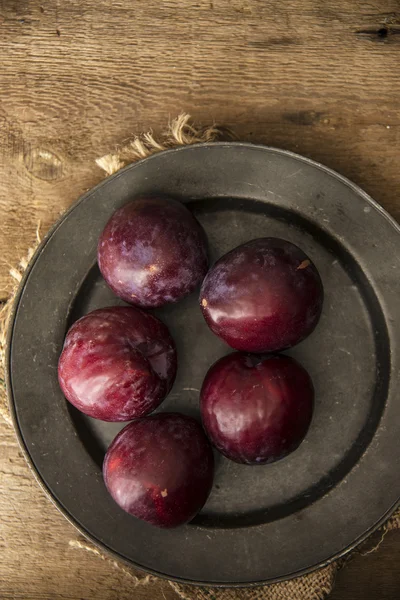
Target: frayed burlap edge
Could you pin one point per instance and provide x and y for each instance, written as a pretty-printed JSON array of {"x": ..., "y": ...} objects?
[
  {"x": 180, "y": 132},
  {"x": 82, "y": 544},
  {"x": 313, "y": 586},
  {"x": 16, "y": 274}
]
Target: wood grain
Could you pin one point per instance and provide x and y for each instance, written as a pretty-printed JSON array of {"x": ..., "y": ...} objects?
[{"x": 319, "y": 77}]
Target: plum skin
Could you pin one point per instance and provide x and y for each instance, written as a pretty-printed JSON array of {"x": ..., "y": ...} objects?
[
  {"x": 160, "y": 469},
  {"x": 117, "y": 363},
  {"x": 256, "y": 410},
  {"x": 263, "y": 296},
  {"x": 153, "y": 251}
]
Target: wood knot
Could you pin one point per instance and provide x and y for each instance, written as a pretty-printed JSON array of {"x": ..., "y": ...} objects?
[
  {"x": 383, "y": 33},
  {"x": 43, "y": 164}
]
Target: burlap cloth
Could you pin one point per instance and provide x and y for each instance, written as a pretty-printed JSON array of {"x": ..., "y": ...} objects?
[{"x": 314, "y": 586}]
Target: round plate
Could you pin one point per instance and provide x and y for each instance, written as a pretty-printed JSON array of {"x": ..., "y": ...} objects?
[{"x": 263, "y": 523}]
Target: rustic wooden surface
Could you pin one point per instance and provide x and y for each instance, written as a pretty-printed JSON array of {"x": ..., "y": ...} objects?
[{"x": 319, "y": 77}]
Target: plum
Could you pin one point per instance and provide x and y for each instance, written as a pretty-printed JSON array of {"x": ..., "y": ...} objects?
[
  {"x": 263, "y": 296},
  {"x": 256, "y": 410},
  {"x": 153, "y": 251},
  {"x": 118, "y": 363},
  {"x": 160, "y": 469}
]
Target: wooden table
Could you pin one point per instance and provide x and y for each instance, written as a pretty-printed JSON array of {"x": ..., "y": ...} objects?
[{"x": 319, "y": 77}]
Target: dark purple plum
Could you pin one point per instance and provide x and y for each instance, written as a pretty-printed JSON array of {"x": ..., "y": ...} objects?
[
  {"x": 263, "y": 296},
  {"x": 153, "y": 251},
  {"x": 160, "y": 469},
  {"x": 256, "y": 410},
  {"x": 117, "y": 363}
]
